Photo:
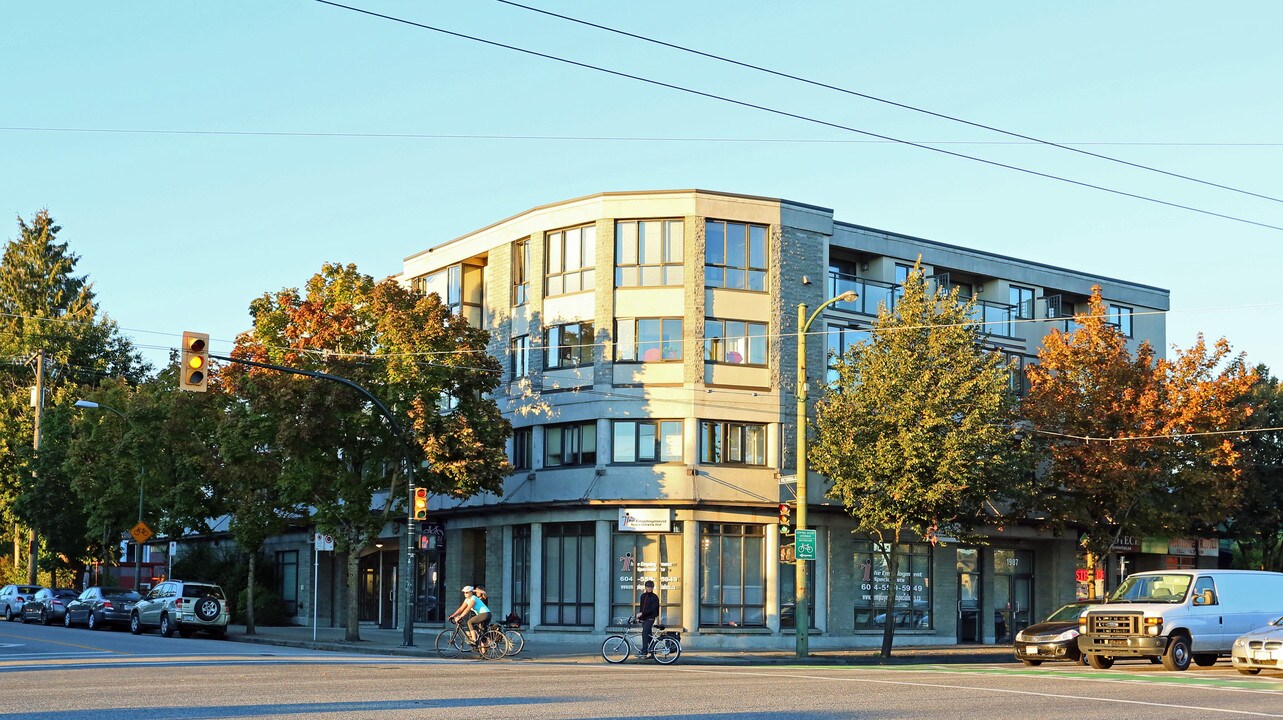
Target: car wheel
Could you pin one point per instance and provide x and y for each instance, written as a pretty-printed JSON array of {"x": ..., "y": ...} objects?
[
  {"x": 207, "y": 608},
  {"x": 1249, "y": 671},
  {"x": 66, "y": 619},
  {"x": 44, "y": 617},
  {"x": 1031, "y": 663},
  {"x": 1177, "y": 656},
  {"x": 166, "y": 627},
  {"x": 1100, "y": 662},
  {"x": 92, "y": 621},
  {"x": 135, "y": 624},
  {"x": 8, "y": 613},
  {"x": 1205, "y": 659}
]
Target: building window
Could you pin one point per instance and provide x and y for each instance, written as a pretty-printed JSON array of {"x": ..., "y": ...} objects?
[
  {"x": 522, "y": 444},
  {"x": 912, "y": 586},
  {"x": 521, "y": 572},
  {"x": 647, "y": 441},
  {"x": 571, "y": 260},
  {"x": 521, "y": 356},
  {"x": 569, "y": 564},
  {"x": 521, "y": 272},
  {"x": 570, "y": 345},
  {"x": 648, "y": 556},
  {"x": 733, "y": 572},
  {"x": 788, "y": 591},
  {"x": 570, "y": 444},
  {"x": 840, "y": 340},
  {"x": 1122, "y": 317},
  {"x": 419, "y": 285},
  {"x": 1023, "y": 299},
  {"x": 726, "y": 443},
  {"x": 649, "y": 253},
  {"x": 735, "y": 342},
  {"x": 287, "y": 579},
  {"x": 1017, "y": 381},
  {"x": 735, "y": 256},
  {"x": 648, "y": 339}
]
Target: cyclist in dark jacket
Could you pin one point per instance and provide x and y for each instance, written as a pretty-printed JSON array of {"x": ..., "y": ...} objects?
[{"x": 648, "y": 610}]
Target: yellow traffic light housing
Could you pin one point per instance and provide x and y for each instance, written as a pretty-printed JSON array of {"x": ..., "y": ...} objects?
[
  {"x": 420, "y": 503},
  {"x": 193, "y": 372},
  {"x": 784, "y": 518}
]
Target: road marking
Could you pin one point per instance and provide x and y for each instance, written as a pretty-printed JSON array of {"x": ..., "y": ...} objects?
[
  {"x": 67, "y": 644},
  {"x": 1000, "y": 691},
  {"x": 1203, "y": 679}
]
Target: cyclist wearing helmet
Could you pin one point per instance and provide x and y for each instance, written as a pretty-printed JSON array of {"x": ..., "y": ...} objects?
[{"x": 477, "y": 606}]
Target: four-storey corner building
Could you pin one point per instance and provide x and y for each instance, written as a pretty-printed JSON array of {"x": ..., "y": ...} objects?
[{"x": 648, "y": 341}]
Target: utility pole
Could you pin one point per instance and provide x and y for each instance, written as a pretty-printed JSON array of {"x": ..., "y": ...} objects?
[{"x": 33, "y": 550}]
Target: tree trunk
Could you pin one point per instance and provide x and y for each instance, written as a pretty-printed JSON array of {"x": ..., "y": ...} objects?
[
  {"x": 888, "y": 626},
  {"x": 353, "y": 580},
  {"x": 249, "y": 596}
]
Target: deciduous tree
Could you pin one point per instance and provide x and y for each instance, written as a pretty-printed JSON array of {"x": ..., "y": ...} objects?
[{"x": 1257, "y": 524}]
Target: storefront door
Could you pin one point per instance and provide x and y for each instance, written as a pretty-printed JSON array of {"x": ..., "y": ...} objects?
[
  {"x": 969, "y": 629},
  {"x": 1012, "y": 592}
]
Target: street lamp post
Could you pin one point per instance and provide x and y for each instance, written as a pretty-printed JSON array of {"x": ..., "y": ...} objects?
[
  {"x": 801, "y": 601},
  {"x": 142, "y": 477}
]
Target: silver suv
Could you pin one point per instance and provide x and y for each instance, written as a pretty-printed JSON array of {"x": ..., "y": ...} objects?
[{"x": 182, "y": 607}]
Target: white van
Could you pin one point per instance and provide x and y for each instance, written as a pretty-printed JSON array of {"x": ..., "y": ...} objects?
[{"x": 1179, "y": 615}]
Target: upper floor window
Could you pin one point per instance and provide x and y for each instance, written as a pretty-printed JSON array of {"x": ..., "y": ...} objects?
[
  {"x": 735, "y": 256},
  {"x": 840, "y": 339},
  {"x": 521, "y": 356},
  {"x": 447, "y": 284},
  {"x": 647, "y": 441},
  {"x": 732, "y": 443},
  {"x": 1023, "y": 299},
  {"x": 648, "y": 339},
  {"x": 522, "y": 444},
  {"x": 649, "y": 252},
  {"x": 570, "y": 345},
  {"x": 1017, "y": 381},
  {"x": 521, "y": 272},
  {"x": 1122, "y": 317},
  {"x": 571, "y": 260},
  {"x": 570, "y": 444},
  {"x": 735, "y": 341}
]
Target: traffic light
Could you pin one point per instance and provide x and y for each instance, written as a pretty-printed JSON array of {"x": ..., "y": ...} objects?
[
  {"x": 784, "y": 518},
  {"x": 193, "y": 374},
  {"x": 420, "y": 503}
]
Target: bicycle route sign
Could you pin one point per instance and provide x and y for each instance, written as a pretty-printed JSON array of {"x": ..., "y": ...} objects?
[{"x": 804, "y": 544}]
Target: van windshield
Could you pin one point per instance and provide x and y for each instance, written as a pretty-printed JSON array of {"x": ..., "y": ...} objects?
[{"x": 1152, "y": 589}]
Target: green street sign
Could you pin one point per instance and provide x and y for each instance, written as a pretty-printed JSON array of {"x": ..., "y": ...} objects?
[{"x": 804, "y": 541}]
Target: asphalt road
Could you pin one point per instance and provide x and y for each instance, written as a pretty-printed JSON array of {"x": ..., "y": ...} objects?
[{"x": 51, "y": 672}]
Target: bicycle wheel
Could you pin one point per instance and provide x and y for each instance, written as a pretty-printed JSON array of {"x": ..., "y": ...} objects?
[
  {"x": 615, "y": 649},
  {"x": 667, "y": 650},
  {"x": 516, "y": 639},
  {"x": 493, "y": 644},
  {"x": 445, "y": 644}
]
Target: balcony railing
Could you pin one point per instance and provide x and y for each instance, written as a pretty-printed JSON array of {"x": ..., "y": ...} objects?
[
  {"x": 872, "y": 293},
  {"x": 997, "y": 317}
]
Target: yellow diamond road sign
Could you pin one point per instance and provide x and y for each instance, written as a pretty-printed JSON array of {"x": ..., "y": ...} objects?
[{"x": 141, "y": 532}]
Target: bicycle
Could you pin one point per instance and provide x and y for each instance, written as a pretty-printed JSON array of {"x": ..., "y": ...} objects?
[
  {"x": 492, "y": 644},
  {"x": 516, "y": 640},
  {"x": 665, "y": 646}
]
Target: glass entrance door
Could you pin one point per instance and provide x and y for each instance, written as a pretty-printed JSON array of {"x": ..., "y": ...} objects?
[
  {"x": 1012, "y": 591},
  {"x": 969, "y": 595}
]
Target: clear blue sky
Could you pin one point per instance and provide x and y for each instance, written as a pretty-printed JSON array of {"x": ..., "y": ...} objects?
[{"x": 182, "y": 231}]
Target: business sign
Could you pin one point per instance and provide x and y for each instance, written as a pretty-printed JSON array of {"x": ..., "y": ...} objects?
[
  {"x": 1209, "y": 547},
  {"x": 1181, "y": 546},
  {"x": 804, "y": 544},
  {"x": 645, "y": 520}
]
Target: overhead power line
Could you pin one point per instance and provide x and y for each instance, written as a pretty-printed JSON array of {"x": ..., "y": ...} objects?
[
  {"x": 796, "y": 116},
  {"x": 599, "y": 138},
  {"x": 885, "y": 101}
]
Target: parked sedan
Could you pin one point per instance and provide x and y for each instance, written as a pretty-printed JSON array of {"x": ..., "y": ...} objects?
[
  {"x": 1054, "y": 639},
  {"x": 13, "y": 597},
  {"x": 1260, "y": 649},
  {"x": 101, "y": 607},
  {"x": 47, "y": 606}
]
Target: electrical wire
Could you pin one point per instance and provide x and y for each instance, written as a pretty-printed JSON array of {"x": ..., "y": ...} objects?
[
  {"x": 885, "y": 101},
  {"x": 799, "y": 116}
]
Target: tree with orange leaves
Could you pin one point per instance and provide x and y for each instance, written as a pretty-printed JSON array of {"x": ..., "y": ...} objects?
[{"x": 1137, "y": 444}]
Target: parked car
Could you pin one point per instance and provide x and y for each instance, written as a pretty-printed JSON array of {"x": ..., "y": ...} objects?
[
  {"x": 48, "y": 605},
  {"x": 13, "y": 597},
  {"x": 182, "y": 607},
  {"x": 100, "y": 607},
  {"x": 1179, "y": 616},
  {"x": 1260, "y": 649},
  {"x": 1054, "y": 639}
]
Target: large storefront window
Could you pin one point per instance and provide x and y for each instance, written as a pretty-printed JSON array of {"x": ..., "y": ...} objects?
[
  {"x": 639, "y": 557},
  {"x": 569, "y": 562},
  {"x": 521, "y": 572},
  {"x": 912, "y": 586},
  {"x": 732, "y": 564}
]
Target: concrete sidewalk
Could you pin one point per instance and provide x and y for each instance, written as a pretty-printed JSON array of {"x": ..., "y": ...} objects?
[{"x": 376, "y": 641}]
